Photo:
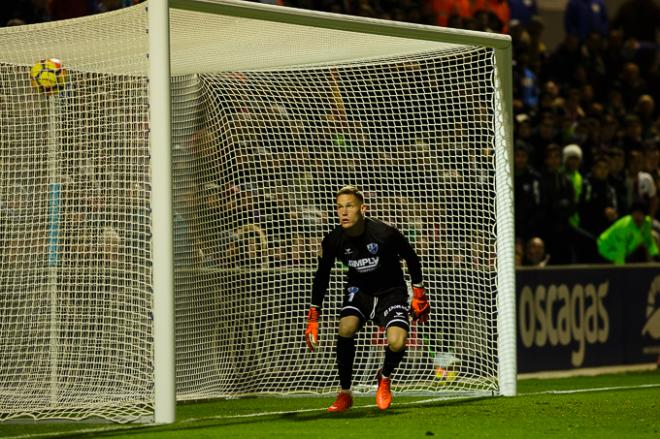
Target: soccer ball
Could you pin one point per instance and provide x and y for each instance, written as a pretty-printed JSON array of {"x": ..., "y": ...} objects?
[
  {"x": 445, "y": 364},
  {"x": 48, "y": 75},
  {"x": 445, "y": 376}
]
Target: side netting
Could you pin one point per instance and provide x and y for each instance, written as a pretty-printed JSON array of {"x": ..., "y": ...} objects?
[
  {"x": 259, "y": 156},
  {"x": 75, "y": 224}
]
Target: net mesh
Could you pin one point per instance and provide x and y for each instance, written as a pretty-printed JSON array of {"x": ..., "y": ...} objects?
[
  {"x": 75, "y": 259},
  {"x": 261, "y": 143},
  {"x": 255, "y": 189}
]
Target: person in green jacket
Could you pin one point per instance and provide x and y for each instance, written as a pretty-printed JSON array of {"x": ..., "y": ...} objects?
[
  {"x": 630, "y": 238},
  {"x": 572, "y": 159}
]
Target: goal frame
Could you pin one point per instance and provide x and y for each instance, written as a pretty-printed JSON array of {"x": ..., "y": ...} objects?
[
  {"x": 160, "y": 140},
  {"x": 161, "y": 143}
]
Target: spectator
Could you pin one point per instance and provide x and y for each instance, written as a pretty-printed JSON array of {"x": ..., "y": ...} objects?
[
  {"x": 573, "y": 107},
  {"x": 18, "y": 11},
  {"x": 63, "y": 9},
  {"x": 583, "y": 17},
  {"x": 598, "y": 202},
  {"x": 535, "y": 255},
  {"x": 110, "y": 245},
  {"x": 494, "y": 13},
  {"x": 564, "y": 61},
  {"x": 109, "y": 5},
  {"x": 638, "y": 19},
  {"x": 16, "y": 22},
  {"x": 558, "y": 206},
  {"x": 523, "y": 11},
  {"x": 652, "y": 167},
  {"x": 631, "y": 84},
  {"x": 451, "y": 11},
  {"x": 632, "y": 134},
  {"x": 617, "y": 176},
  {"x": 364, "y": 8},
  {"x": 523, "y": 128},
  {"x": 551, "y": 89},
  {"x": 527, "y": 183},
  {"x": 588, "y": 134},
  {"x": 616, "y": 105},
  {"x": 520, "y": 37},
  {"x": 572, "y": 159},
  {"x": 535, "y": 30},
  {"x": 594, "y": 64},
  {"x": 407, "y": 10},
  {"x": 640, "y": 186},
  {"x": 519, "y": 252},
  {"x": 613, "y": 54},
  {"x": 645, "y": 112},
  {"x": 526, "y": 83},
  {"x": 546, "y": 133},
  {"x": 652, "y": 160},
  {"x": 629, "y": 239},
  {"x": 598, "y": 206},
  {"x": 608, "y": 132},
  {"x": 587, "y": 98}
]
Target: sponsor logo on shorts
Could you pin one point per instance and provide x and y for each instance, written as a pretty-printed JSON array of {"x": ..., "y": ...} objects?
[{"x": 393, "y": 308}]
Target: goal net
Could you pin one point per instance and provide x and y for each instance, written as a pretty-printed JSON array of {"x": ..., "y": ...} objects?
[{"x": 272, "y": 111}]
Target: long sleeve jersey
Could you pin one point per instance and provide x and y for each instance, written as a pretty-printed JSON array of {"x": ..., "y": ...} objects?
[
  {"x": 373, "y": 259},
  {"x": 623, "y": 237}
]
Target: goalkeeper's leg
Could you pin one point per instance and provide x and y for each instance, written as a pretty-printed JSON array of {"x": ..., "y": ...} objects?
[
  {"x": 394, "y": 353},
  {"x": 395, "y": 349},
  {"x": 348, "y": 326}
]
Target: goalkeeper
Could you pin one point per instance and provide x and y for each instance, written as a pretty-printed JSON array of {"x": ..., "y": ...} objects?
[{"x": 375, "y": 290}]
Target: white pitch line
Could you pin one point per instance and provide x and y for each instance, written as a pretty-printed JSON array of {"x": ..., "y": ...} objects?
[
  {"x": 68, "y": 433},
  {"x": 595, "y": 389},
  {"x": 119, "y": 428}
]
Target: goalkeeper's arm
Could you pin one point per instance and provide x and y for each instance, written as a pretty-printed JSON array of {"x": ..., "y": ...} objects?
[
  {"x": 319, "y": 288},
  {"x": 312, "y": 329},
  {"x": 420, "y": 307}
]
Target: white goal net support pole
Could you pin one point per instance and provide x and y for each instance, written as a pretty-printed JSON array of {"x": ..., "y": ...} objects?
[{"x": 207, "y": 200}]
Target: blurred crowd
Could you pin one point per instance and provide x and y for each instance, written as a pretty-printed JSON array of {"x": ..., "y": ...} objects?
[
  {"x": 19, "y": 12},
  {"x": 586, "y": 134},
  {"x": 586, "y": 122},
  {"x": 586, "y": 125}
]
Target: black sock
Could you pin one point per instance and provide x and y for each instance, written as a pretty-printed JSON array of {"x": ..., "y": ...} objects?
[
  {"x": 345, "y": 357},
  {"x": 392, "y": 360}
]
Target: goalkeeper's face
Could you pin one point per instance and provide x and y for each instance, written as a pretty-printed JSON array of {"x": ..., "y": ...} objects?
[{"x": 350, "y": 210}]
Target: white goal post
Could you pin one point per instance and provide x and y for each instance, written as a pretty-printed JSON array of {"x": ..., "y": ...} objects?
[{"x": 161, "y": 214}]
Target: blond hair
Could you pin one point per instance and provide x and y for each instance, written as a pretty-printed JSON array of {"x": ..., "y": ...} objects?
[{"x": 351, "y": 190}]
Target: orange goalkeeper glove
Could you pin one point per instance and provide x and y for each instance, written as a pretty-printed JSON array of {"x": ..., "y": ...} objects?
[
  {"x": 420, "y": 307},
  {"x": 312, "y": 331}
]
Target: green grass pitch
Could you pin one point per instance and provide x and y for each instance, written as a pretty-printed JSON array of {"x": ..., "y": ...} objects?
[{"x": 606, "y": 406}]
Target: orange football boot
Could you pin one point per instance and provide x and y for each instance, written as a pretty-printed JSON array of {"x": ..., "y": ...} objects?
[
  {"x": 343, "y": 402},
  {"x": 383, "y": 393}
]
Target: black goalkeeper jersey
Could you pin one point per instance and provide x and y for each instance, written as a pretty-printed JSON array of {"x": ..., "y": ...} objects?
[{"x": 373, "y": 259}]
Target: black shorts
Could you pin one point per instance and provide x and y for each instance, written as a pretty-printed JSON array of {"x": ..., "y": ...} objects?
[{"x": 387, "y": 309}]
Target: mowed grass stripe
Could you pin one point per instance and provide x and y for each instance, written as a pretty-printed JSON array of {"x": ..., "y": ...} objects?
[{"x": 603, "y": 406}]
